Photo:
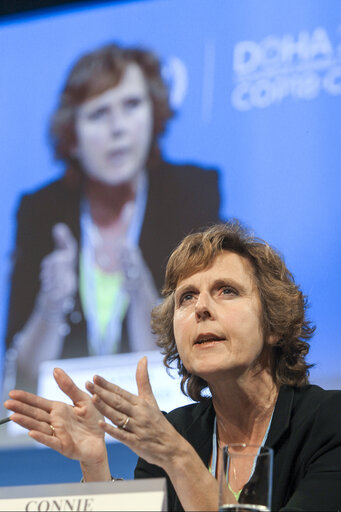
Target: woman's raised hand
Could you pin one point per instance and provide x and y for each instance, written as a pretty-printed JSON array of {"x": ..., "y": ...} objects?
[
  {"x": 139, "y": 422},
  {"x": 73, "y": 431},
  {"x": 58, "y": 274}
]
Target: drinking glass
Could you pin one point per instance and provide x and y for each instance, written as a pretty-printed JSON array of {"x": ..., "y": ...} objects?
[{"x": 245, "y": 478}]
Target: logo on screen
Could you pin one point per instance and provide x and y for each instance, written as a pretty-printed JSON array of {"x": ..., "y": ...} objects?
[
  {"x": 175, "y": 74},
  {"x": 281, "y": 67}
]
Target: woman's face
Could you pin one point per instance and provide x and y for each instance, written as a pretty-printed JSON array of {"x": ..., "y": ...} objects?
[
  {"x": 217, "y": 320},
  {"x": 114, "y": 130}
]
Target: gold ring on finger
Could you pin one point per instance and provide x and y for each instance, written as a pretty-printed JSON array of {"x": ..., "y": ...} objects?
[
  {"x": 125, "y": 424},
  {"x": 53, "y": 430}
]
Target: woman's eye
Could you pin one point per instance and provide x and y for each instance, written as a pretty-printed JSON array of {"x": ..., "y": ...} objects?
[
  {"x": 132, "y": 103},
  {"x": 228, "y": 290},
  {"x": 97, "y": 114},
  {"x": 186, "y": 297}
]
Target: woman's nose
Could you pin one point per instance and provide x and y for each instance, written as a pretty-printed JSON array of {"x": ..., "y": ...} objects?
[
  {"x": 117, "y": 123},
  {"x": 203, "y": 308}
]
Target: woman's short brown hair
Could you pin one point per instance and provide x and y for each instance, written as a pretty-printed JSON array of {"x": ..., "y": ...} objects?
[
  {"x": 283, "y": 304},
  {"x": 94, "y": 73}
]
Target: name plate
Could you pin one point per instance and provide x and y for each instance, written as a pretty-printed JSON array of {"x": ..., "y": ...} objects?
[{"x": 141, "y": 494}]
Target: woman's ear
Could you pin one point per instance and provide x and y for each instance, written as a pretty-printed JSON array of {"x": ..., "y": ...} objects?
[{"x": 272, "y": 339}]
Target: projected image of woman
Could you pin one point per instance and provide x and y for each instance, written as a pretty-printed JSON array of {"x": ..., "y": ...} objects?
[{"x": 91, "y": 246}]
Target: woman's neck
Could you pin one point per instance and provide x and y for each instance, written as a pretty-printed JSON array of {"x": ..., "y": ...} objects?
[
  {"x": 107, "y": 201},
  {"x": 244, "y": 409}
]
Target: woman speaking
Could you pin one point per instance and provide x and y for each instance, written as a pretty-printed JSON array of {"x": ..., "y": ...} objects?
[
  {"x": 89, "y": 243},
  {"x": 234, "y": 322}
]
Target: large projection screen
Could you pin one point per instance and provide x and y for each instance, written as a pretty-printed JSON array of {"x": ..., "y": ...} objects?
[{"x": 256, "y": 88}]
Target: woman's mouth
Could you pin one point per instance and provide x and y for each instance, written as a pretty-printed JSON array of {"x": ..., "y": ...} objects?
[
  {"x": 208, "y": 338},
  {"x": 118, "y": 155}
]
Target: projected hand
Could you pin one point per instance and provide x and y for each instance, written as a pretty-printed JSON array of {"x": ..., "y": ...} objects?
[
  {"x": 73, "y": 431},
  {"x": 58, "y": 270},
  {"x": 138, "y": 419}
]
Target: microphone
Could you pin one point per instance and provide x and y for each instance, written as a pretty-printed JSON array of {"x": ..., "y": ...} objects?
[{"x": 5, "y": 420}]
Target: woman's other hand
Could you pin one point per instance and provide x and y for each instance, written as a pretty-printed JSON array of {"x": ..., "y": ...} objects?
[
  {"x": 139, "y": 422},
  {"x": 73, "y": 431},
  {"x": 144, "y": 429}
]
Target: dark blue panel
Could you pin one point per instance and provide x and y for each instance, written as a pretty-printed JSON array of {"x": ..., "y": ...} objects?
[{"x": 33, "y": 466}]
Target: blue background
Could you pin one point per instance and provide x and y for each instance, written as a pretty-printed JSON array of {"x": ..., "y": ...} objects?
[{"x": 279, "y": 165}]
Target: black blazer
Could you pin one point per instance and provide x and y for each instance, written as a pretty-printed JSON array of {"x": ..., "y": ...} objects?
[
  {"x": 305, "y": 435},
  {"x": 181, "y": 198}
]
